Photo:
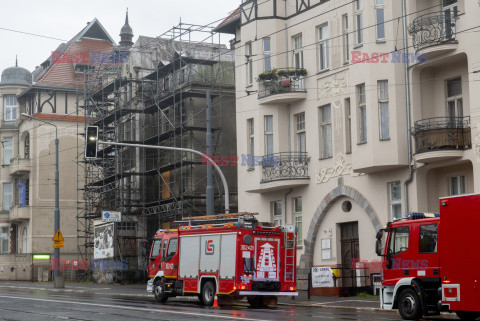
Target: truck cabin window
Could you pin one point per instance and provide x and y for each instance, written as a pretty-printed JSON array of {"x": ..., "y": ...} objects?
[
  {"x": 428, "y": 239},
  {"x": 164, "y": 247},
  {"x": 156, "y": 249},
  {"x": 398, "y": 240},
  {"x": 172, "y": 247}
]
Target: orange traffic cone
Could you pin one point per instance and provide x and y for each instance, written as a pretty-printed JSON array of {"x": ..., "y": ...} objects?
[{"x": 215, "y": 301}]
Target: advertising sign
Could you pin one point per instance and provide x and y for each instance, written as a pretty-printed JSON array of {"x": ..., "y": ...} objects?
[
  {"x": 111, "y": 216},
  {"x": 322, "y": 277},
  {"x": 104, "y": 241}
]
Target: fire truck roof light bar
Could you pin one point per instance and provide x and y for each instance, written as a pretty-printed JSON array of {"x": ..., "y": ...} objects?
[
  {"x": 416, "y": 216},
  {"x": 219, "y": 171}
]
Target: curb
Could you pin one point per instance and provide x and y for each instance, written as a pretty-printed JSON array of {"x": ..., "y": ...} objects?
[{"x": 323, "y": 306}]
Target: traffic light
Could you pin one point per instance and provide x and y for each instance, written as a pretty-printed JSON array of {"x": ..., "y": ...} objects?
[{"x": 91, "y": 142}]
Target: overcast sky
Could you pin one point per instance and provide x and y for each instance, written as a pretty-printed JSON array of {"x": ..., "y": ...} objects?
[{"x": 64, "y": 19}]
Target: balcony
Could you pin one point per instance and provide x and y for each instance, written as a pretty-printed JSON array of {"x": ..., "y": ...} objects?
[
  {"x": 434, "y": 32},
  {"x": 441, "y": 138},
  {"x": 18, "y": 213},
  {"x": 19, "y": 166},
  {"x": 283, "y": 170},
  {"x": 282, "y": 86}
]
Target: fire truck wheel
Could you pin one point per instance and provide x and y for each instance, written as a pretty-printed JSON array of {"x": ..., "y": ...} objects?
[
  {"x": 159, "y": 291},
  {"x": 409, "y": 305},
  {"x": 208, "y": 293},
  {"x": 255, "y": 301},
  {"x": 468, "y": 315}
]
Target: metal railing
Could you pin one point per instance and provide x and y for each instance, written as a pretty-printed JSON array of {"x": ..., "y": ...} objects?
[
  {"x": 442, "y": 133},
  {"x": 433, "y": 29},
  {"x": 285, "y": 166},
  {"x": 281, "y": 85}
]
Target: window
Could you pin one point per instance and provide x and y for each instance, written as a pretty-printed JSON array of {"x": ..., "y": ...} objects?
[
  {"x": 25, "y": 240},
  {"x": 362, "y": 112},
  {"x": 323, "y": 47},
  {"x": 454, "y": 102},
  {"x": 380, "y": 13},
  {"x": 300, "y": 140},
  {"x": 428, "y": 239},
  {"x": 268, "y": 135},
  {"x": 164, "y": 247},
  {"x": 7, "y": 150},
  {"x": 394, "y": 189},
  {"x": 348, "y": 127},
  {"x": 4, "y": 240},
  {"x": 10, "y": 107},
  {"x": 248, "y": 54},
  {"x": 383, "y": 109},
  {"x": 457, "y": 185},
  {"x": 450, "y": 10},
  {"x": 251, "y": 141},
  {"x": 267, "y": 58},
  {"x": 297, "y": 214},
  {"x": 172, "y": 247},
  {"x": 399, "y": 240},
  {"x": 346, "y": 45},
  {"x": 359, "y": 21},
  {"x": 297, "y": 52},
  {"x": 7, "y": 196},
  {"x": 156, "y": 248},
  {"x": 326, "y": 131},
  {"x": 26, "y": 146},
  {"x": 165, "y": 120},
  {"x": 276, "y": 208}
]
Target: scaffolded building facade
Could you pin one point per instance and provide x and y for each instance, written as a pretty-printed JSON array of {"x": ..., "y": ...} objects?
[{"x": 157, "y": 96}]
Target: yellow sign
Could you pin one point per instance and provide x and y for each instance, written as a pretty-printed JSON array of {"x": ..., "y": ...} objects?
[
  {"x": 57, "y": 245},
  {"x": 58, "y": 237}
]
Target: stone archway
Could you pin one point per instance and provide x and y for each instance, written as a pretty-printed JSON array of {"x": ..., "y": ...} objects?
[{"x": 306, "y": 260}]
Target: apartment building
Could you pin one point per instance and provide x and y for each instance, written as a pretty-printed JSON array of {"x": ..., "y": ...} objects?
[
  {"x": 324, "y": 107},
  {"x": 49, "y": 94}
]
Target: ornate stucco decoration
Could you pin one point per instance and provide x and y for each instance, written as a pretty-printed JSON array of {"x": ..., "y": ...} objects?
[{"x": 340, "y": 168}]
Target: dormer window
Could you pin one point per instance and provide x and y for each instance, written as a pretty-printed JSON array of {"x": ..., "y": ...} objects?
[{"x": 10, "y": 107}]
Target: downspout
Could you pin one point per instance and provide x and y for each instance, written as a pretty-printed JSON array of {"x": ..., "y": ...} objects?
[
  {"x": 286, "y": 194},
  {"x": 407, "y": 96}
]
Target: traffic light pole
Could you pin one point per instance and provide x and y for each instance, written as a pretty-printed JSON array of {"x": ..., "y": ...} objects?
[{"x": 188, "y": 150}]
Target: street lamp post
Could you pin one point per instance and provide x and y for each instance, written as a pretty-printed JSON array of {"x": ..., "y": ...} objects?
[{"x": 56, "y": 215}]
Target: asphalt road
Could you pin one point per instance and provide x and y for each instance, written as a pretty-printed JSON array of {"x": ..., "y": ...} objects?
[{"x": 22, "y": 303}]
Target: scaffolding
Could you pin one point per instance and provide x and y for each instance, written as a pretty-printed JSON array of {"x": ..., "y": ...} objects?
[{"x": 157, "y": 97}]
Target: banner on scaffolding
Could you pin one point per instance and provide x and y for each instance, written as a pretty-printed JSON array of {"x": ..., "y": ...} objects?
[{"x": 104, "y": 241}]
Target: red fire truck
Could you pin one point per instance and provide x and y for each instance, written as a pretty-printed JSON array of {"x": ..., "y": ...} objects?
[
  {"x": 431, "y": 262},
  {"x": 231, "y": 260}
]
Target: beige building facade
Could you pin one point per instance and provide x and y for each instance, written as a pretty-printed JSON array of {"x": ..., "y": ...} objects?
[{"x": 322, "y": 99}]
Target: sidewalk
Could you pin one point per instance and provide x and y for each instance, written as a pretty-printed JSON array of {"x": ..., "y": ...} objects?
[{"x": 350, "y": 303}]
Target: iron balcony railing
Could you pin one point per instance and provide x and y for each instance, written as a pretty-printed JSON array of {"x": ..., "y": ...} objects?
[
  {"x": 442, "y": 133},
  {"x": 285, "y": 166},
  {"x": 281, "y": 84},
  {"x": 433, "y": 29}
]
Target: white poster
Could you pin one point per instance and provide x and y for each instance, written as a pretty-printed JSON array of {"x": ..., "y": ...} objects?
[
  {"x": 322, "y": 277},
  {"x": 104, "y": 241}
]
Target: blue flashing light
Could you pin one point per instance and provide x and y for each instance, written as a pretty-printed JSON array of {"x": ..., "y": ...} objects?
[{"x": 416, "y": 215}]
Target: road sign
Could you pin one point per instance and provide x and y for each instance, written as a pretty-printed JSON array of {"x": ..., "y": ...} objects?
[
  {"x": 58, "y": 237},
  {"x": 111, "y": 216},
  {"x": 57, "y": 245}
]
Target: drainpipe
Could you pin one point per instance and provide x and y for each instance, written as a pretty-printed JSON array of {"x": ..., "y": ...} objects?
[
  {"x": 407, "y": 96},
  {"x": 286, "y": 194}
]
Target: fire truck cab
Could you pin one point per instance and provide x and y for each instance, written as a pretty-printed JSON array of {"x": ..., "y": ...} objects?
[
  {"x": 431, "y": 261},
  {"x": 231, "y": 260}
]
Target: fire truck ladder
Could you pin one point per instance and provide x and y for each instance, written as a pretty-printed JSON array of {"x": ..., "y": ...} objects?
[{"x": 289, "y": 261}]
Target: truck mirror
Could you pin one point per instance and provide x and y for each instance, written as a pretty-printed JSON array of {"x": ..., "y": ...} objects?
[
  {"x": 379, "y": 235},
  {"x": 378, "y": 247}
]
